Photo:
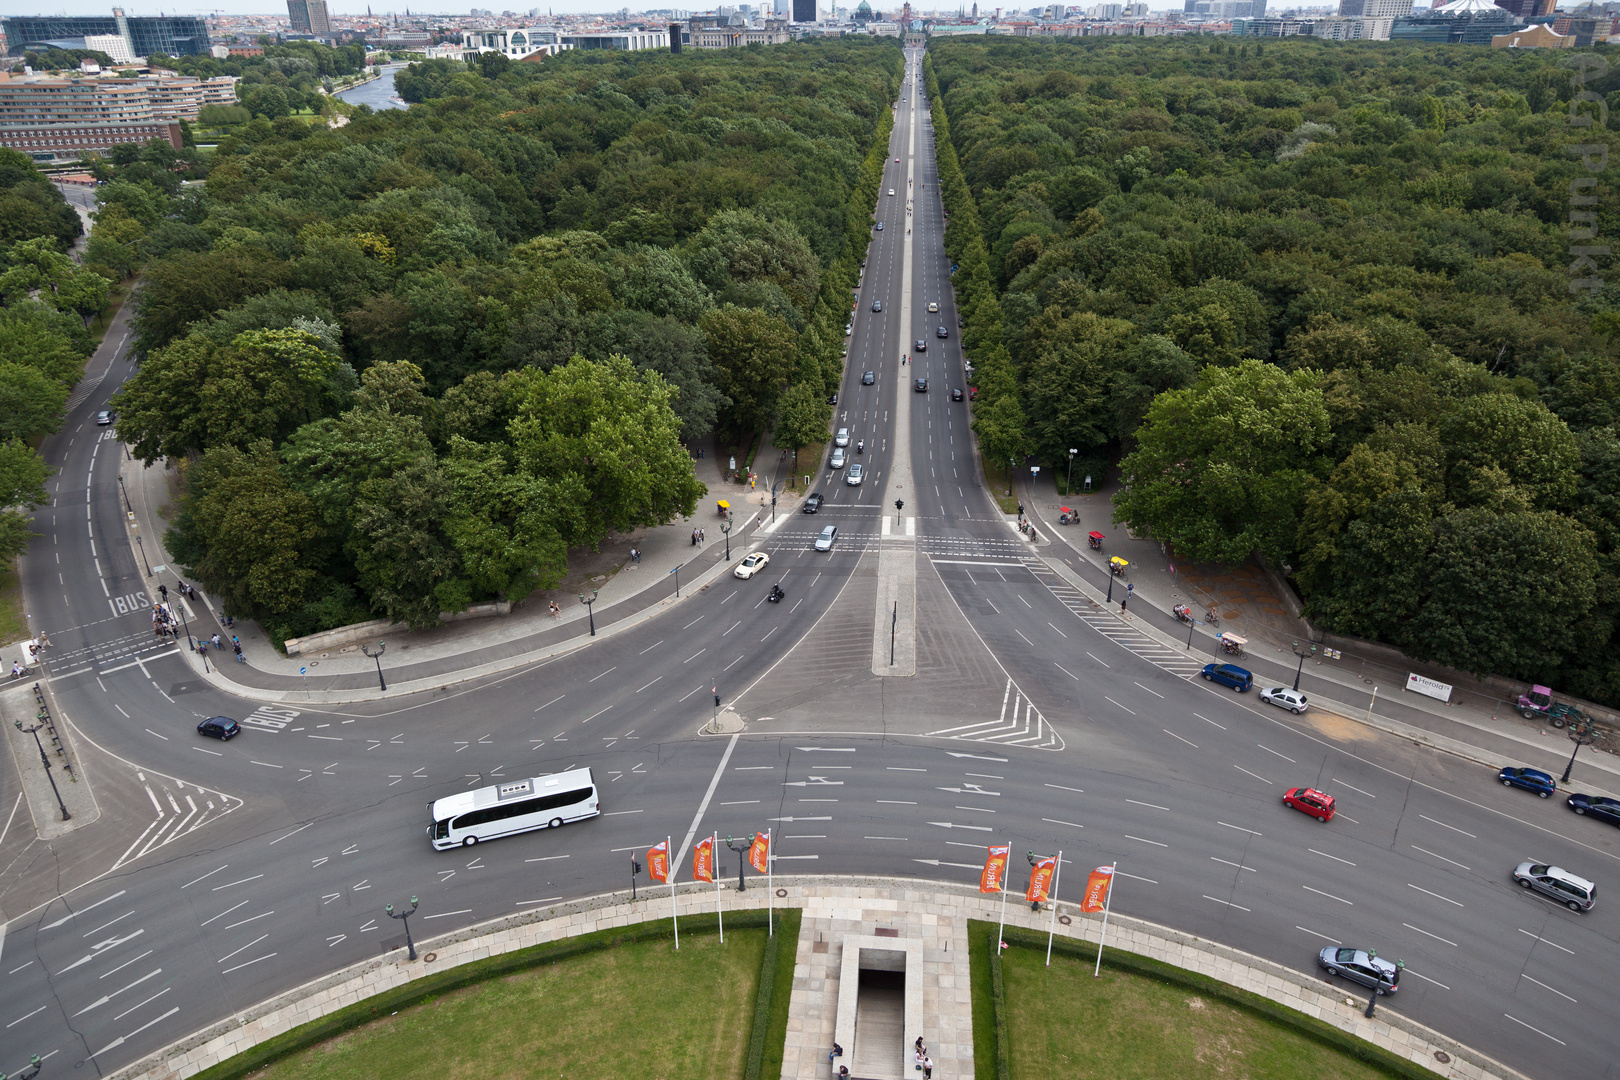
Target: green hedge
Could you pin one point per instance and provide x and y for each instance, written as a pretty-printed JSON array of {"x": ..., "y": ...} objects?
[
  {"x": 985, "y": 1011},
  {"x": 770, "y": 1026},
  {"x": 1263, "y": 1007},
  {"x": 469, "y": 974}
]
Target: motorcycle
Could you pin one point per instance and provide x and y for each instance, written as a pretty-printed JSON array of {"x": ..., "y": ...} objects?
[
  {"x": 776, "y": 594},
  {"x": 860, "y": 447}
]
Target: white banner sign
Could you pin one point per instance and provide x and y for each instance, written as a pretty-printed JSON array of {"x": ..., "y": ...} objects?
[{"x": 1418, "y": 684}]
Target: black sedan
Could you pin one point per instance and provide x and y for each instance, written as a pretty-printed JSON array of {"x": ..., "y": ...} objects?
[
  {"x": 813, "y": 502},
  {"x": 922, "y": 344},
  {"x": 922, "y": 386},
  {"x": 219, "y": 727},
  {"x": 1604, "y": 809},
  {"x": 877, "y": 305},
  {"x": 869, "y": 378}
]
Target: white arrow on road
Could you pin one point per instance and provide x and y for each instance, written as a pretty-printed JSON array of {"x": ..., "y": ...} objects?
[
  {"x": 790, "y": 819},
  {"x": 828, "y": 749},
  {"x": 948, "y": 825},
  {"x": 971, "y": 789},
  {"x": 938, "y": 862},
  {"x": 814, "y": 781},
  {"x": 976, "y": 757}
]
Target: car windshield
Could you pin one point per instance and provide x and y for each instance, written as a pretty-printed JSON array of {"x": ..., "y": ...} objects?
[
  {"x": 1539, "y": 869},
  {"x": 1343, "y": 956}
]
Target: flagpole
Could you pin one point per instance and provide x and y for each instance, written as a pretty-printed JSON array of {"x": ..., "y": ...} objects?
[
  {"x": 714, "y": 846},
  {"x": 1051, "y": 899},
  {"x": 673, "y": 918},
  {"x": 770, "y": 886},
  {"x": 1002, "y": 925},
  {"x": 1108, "y": 902}
]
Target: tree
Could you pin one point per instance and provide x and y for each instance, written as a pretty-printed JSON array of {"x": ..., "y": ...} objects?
[
  {"x": 1222, "y": 468},
  {"x": 804, "y": 419},
  {"x": 753, "y": 352},
  {"x": 605, "y": 436},
  {"x": 22, "y": 488},
  {"x": 1519, "y": 441},
  {"x": 407, "y": 563},
  {"x": 673, "y": 349},
  {"x": 31, "y": 402},
  {"x": 189, "y": 286},
  {"x": 1003, "y": 431}
]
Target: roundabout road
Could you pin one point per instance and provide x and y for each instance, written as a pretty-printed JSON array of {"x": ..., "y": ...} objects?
[{"x": 222, "y": 873}]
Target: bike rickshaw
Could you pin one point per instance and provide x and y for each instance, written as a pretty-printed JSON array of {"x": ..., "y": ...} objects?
[
  {"x": 1232, "y": 644},
  {"x": 1067, "y": 516},
  {"x": 725, "y": 507},
  {"x": 1117, "y": 566},
  {"x": 1095, "y": 539}
]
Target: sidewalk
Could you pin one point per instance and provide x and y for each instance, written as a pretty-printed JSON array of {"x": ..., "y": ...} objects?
[
  {"x": 627, "y": 591},
  {"x": 1476, "y": 723}
]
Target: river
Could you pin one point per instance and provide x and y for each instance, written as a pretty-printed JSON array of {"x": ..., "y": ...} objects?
[{"x": 378, "y": 93}]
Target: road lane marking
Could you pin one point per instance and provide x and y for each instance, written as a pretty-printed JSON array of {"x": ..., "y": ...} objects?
[
  {"x": 1442, "y": 858},
  {"x": 1436, "y": 895},
  {"x": 1239, "y": 866},
  {"x": 1269, "y": 750},
  {"x": 1055, "y": 821},
  {"x": 1228, "y": 903},
  {"x": 1173, "y": 735},
  {"x": 1544, "y": 941},
  {"x": 1453, "y": 828},
  {"x": 1142, "y": 840},
  {"x": 1353, "y": 787},
  {"x": 1315, "y": 933},
  {"x": 1257, "y": 776},
  {"x": 1154, "y": 806},
  {"x": 1329, "y": 895},
  {"x": 1537, "y": 1030},
  {"x": 1239, "y": 828},
  {"x": 1325, "y": 855}
]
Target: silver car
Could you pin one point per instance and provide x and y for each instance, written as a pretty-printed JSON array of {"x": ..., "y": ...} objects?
[
  {"x": 839, "y": 456},
  {"x": 1362, "y": 967},
  {"x": 1285, "y": 697},
  {"x": 856, "y": 475},
  {"x": 1575, "y": 893},
  {"x": 842, "y": 437},
  {"x": 824, "y": 542}
]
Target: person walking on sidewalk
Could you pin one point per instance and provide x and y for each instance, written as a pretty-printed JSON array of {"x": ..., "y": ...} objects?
[
  {"x": 216, "y": 641},
  {"x": 1122, "y": 603}
]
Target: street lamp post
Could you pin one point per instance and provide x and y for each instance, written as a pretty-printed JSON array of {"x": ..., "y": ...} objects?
[
  {"x": 1581, "y": 733},
  {"x": 774, "y": 489},
  {"x": 1068, "y": 485},
  {"x": 404, "y": 917},
  {"x": 29, "y": 1073},
  {"x": 142, "y": 545},
  {"x": 635, "y": 868},
  {"x": 382, "y": 647},
  {"x": 125, "y": 490},
  {"x": 590, "y": 608},
  {"x": 732, "y": 842},
  {"x": 1372, "y": 999},
  {"x": 1303, "y": 654},
  {"x": 725, "y": 530},
  {"x": 45, "y": 760},
  {"x": 1012, "y": 465}
]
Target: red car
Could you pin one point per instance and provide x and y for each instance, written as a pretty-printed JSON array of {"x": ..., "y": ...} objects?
[{"x": 1306, "y": 800}]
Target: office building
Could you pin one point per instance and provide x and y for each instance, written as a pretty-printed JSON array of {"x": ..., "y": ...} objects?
[
  {"x": 176, "y": 35},
  {"x": 1375, "y": 9},
  {"x": 309, "y": 17},
  {"x": 39, "y": 99},
  {"x": 51, "y": 143},
  {"x": 630, "y": 40},
  {"x": 804, "y": 11},
  {"x": 1529, "y": 9},
  {"x": 516, "y": 43}
]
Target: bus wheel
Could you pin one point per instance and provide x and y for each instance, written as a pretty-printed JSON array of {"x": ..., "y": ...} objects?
[
  {"x": 556, "y": 823},
  {"x": 469, "y": 841}
]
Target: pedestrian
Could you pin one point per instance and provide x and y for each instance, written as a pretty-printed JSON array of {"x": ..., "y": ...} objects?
[
  {"x": 1122, "y": 603},
  {"x": 216, "y": 641},
  {"x": 694, "y": 538},
  {"x": 703, "y": 534},
  {"x": 556, "y": 612},
  {"x": 928, "y": 1068},
  {"x": 202, "y": 648},
  {"x": 922, "y": 1050},
  {"x": 1130, "y": 588},
  {"x": 164, "y": 589},
  {"x": 44, "y": 640},
  {"x": 837, "y": 1052},
  {"x": 237, "y": 645}
]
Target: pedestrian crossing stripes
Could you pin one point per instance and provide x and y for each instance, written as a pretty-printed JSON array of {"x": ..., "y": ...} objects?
[
  {"x": 1111, "y": 626},
  {"x": 1019, "y": 724}
]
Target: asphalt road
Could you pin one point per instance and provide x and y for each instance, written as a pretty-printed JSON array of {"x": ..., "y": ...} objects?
[{"x": 1034, "y": 719}]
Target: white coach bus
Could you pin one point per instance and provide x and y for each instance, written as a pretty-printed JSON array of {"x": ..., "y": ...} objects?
[{"x": 465, "y": 818}]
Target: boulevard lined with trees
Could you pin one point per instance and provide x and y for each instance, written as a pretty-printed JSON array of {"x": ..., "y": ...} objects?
[
  {"x": 1316, "y": 300},
  {"x": 407, "y": 364}
]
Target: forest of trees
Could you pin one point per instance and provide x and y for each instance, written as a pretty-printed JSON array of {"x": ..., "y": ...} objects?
[
  {"x": 408, "y": 363},
  {"x": 1321, "y": 304}
]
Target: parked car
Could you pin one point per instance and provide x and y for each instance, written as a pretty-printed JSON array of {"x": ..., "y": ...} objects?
[
  {"x": 841, "y": 437},
  {"x": 219, "y": 727},
  {"x": 869, "y": 378},
  {"x": 752, "y": 563},
  {"x": 1285, "y": 697},
  {"x": 1604, "y": 809},
  {"x": 857, "y": 474},
  {"x": 1318, "y": 804},
  {"x": 847, "y": 328},
  {"x": 922, "y": 386},
  {"x": 1530, "y": 779},
  {"x": 824, "y": 542},
  {"x": 812, "y": 502},
  {"x": 1239, "y": 679},
  {"x": 956, "y": 393},
  {"x": 1575, "y": 893},
  {"x": 832, "y": 398},
  {"x": 1362, "y": 967},
  {"x": 933, "y": 307},
  {"x": 839, "y": 456}
]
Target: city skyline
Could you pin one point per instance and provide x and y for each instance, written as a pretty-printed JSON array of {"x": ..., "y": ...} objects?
[{"x": 346, "y": 9}]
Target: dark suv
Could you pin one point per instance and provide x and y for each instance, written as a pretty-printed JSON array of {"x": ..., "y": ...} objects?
[{"x": 219, "y": 727}]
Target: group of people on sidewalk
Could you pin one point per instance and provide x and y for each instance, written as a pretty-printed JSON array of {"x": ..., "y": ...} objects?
[{"x": 922, "y": 1061}]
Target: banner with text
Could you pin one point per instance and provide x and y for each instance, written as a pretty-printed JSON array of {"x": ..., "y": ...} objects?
[
  {"x": 1097, "y": 886},
  {"x": 703, "y": 860},
  {"x": 759, "y": 852},
  {"x": 1040, "y": 880},
  {"x": 658, "y": 861},
  {"x": 994, "y": 877},
  {"x": 1432, "y": 687}
]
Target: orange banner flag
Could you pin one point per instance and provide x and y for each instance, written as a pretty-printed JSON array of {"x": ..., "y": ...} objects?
[
  {"x": 759, "y": 852},
  {"x": 994, "y": 876},
  {"x": 1040, "y": 880},
  {"x": 658, "y": 861},
  {"x": 703, "y": 860},
  {"x": 1097, "y": 886}
]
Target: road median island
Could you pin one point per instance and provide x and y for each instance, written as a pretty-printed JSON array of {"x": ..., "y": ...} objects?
[
  {"x": 1149, "y": 1018},
  {"x": 617, "y": 1002}
]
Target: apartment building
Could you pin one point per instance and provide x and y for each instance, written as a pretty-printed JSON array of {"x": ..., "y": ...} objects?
[
  {"x": 36, "y": 99},
  {"x": 50, "y": 143}
]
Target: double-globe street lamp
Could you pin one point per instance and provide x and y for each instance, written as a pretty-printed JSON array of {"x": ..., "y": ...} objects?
[
  {"x": 404, "y": 917},
  {"x": 1303, "y": 654},
  {"x": 28, "y": 1073},
  {"x": 382, "y": 647},
  {"x": 1378, "y": 973},
  {"x": 45, "y": 760},
  {"x": 590, "y": 609},
  {"x": 1581, "y": 733}
]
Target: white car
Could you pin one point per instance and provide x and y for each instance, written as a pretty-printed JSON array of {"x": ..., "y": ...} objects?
[
  {"x": 856, "y": 474},
  {"x": 1285, "y": 697},
  {"x": 752, "y": 563},
  {"x": 933, "y": 307},
  {"x": 842, "y": 437},
  {"x": 891, "y": 190}
]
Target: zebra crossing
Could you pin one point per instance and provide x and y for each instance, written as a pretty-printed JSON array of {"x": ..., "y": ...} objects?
[
  {"x": 1109, "y": 625},
  {"x": 1019, "y": 724}
]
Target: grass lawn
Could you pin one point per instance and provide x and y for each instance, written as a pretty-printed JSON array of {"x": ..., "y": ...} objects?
[
  {"x": 1063, "y": 1022},
  {"x": 13, "y": 627},
  {"x": 639, "y": 1010}
]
